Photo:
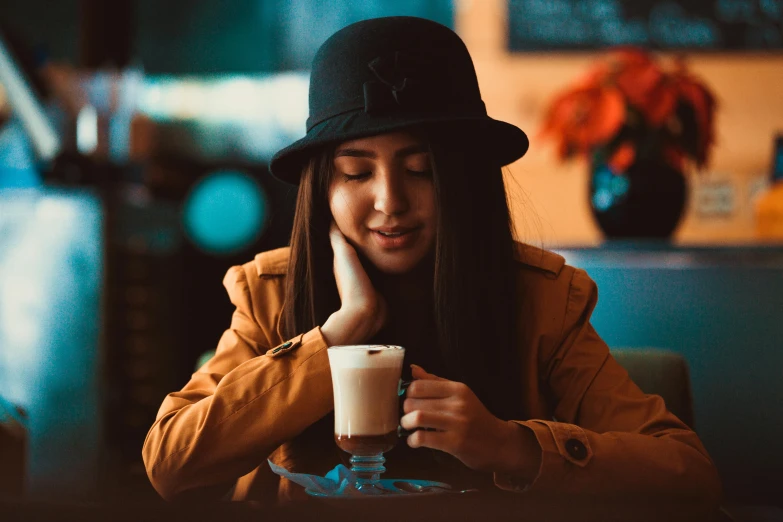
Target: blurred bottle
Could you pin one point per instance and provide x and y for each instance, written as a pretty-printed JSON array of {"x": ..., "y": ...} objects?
[{"x": 769, "y": 207}]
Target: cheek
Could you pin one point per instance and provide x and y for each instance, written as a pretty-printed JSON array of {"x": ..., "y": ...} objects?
[
  {"x": 340, "y": 205},
  {"x": 427, "y": 203}
]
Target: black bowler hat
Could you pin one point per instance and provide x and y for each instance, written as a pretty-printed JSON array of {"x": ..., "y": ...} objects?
[{"x": 387, "y": 74}]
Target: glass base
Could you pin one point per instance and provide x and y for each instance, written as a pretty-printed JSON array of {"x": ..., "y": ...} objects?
[
  {"x": 387, "y": 487},
  {"x": 364, "y": 480}
]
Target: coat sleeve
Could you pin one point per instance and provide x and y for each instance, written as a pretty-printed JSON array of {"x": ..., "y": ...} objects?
[
  {"x": 241, "y": 405},
  {"x": 607, "y": 437}
]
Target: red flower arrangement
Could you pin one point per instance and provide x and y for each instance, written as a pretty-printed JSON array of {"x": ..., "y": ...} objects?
[{"x": 629, "y": 108}]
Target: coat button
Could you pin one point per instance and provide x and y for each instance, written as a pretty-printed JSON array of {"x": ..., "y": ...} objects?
[
  {"x": 283, "y": 346},
  {"x": 576, "y": 449}
]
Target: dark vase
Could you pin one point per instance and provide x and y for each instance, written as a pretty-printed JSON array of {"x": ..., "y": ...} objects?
[{"x": 645, "y": 201}]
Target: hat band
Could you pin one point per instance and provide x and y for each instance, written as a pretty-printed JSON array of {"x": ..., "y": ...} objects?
[
  {"x": 412, "y": 98},
  {"x": 401, "y": 84}
]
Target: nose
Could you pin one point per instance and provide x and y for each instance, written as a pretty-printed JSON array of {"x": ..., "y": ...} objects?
[{"x": 391, "y": 197}]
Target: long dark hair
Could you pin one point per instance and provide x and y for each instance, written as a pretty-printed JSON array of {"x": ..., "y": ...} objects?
[{"x": 474, "y": 290}]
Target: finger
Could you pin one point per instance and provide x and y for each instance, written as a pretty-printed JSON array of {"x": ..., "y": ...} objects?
[
  {"x": 437, "y": 405},
  {"x": 439, "y": 440},
  {"x": 337, "y": 241},
  {"x": 420, "y": 373},
  {"x": 340, "y": 244},
  {"x": 334, "y": 230},
  {"x": 335, "y": 236},
  {"x": 420, "y": 419},
  {"x": 341, "y": 247},
  {"x": 348, "y": 270},
  {"x": 426, "y": 389}
]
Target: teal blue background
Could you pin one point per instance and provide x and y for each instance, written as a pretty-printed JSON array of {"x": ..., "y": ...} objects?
[
  {"x": 721, "y": 309},
  {"x": 204, "y": 37}
]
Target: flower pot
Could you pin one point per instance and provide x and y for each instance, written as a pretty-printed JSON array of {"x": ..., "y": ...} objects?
[{"x": 644, "y": 201}]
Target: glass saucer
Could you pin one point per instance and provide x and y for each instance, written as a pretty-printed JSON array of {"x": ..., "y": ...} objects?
[{"x": 391, "y": 487}]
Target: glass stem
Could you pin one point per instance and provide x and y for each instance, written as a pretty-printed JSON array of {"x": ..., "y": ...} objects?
[{"x": 367, "y": 470}]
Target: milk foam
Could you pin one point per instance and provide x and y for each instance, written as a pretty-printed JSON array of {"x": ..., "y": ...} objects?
[{"x": 362, "y": 356}]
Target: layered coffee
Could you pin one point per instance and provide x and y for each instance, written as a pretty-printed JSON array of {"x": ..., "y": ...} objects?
[{"x": 365, "y": 381}]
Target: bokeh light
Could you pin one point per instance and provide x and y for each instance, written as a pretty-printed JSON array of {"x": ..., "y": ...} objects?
[{"x": 225, "y": 212}]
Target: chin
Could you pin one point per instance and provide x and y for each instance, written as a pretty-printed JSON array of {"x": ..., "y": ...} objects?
[{"x": 395, "y": 264}]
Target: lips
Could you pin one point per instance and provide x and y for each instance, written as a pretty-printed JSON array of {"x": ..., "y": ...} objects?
[
  {"x": 395, "y": 237},
  {"x": 393, "y": 231}
]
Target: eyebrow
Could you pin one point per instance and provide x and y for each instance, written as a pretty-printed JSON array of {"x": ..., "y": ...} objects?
[{"x": 364, "y": 153}]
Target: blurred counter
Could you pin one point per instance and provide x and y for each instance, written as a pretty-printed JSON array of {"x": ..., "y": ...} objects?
[
  {"x": 721, "y": 308},
  {"x": 51, "y": 274},
  {"x": 653, "y": 254}
]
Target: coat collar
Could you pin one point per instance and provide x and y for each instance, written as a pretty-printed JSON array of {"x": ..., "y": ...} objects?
[{"x": 539, "y": 258}]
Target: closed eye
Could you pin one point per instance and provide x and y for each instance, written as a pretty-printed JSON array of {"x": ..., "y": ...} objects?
[{"x": 356, "y": 177}]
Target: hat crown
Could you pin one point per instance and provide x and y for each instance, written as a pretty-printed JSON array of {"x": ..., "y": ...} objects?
[
  {"x": 389, "y": 75},
  {"x": 393, "y": 64}
]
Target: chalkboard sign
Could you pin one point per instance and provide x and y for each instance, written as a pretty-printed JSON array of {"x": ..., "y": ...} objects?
[{"x": 709, "y": 25}]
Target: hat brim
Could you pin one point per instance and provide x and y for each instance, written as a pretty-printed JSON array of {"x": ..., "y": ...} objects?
[{"x": 502, "y": 142}]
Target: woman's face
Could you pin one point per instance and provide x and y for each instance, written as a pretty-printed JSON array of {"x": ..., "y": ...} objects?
[{"x": 382, "y": 198}]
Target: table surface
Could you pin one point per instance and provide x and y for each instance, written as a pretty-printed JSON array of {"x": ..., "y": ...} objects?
[{"x": 452, "y": 507}]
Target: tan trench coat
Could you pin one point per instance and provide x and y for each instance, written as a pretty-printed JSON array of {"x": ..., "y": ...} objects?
[{"x": 264, "y": 396}]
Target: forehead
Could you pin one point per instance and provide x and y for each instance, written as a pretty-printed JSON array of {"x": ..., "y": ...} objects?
[{"x": 389, "y": 142}]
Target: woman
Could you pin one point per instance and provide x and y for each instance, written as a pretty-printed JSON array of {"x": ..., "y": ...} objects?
[{"x": 402, "y": 235}]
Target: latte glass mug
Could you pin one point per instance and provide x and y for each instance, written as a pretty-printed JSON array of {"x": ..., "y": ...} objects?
[{"x": 366, "y": 386}]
